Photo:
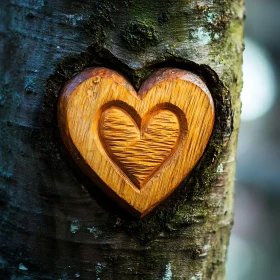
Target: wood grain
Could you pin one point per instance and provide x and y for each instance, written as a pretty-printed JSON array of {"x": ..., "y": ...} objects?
[
  {"x": 137, "y": 147},
  {"x": 134, "y": 147}
]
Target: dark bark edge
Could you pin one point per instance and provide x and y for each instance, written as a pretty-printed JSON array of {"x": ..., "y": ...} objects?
[{"x": 194, "y": 188}]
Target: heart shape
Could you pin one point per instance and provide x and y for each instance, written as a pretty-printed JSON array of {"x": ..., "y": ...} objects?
[
  {"x": 133, "y": 145},
  {"x": 137, "y": 147}
]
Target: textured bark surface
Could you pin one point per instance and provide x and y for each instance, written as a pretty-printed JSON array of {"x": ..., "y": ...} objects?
[{"x": 55, "y": 224}]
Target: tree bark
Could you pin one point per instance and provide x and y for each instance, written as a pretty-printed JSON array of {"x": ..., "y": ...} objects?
[{"x": 55, "y": 224}]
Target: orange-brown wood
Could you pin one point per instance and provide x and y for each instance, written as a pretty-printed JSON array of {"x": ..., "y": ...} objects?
[{"x": 137, "y": 147}]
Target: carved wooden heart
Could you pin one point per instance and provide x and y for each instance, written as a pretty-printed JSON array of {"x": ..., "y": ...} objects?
[
  {"x": 137, "y": 147},
  {"x": 133, "y": 145}
]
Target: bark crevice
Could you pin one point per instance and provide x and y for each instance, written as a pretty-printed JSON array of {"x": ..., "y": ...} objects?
[{"x": 54, "y": 223}]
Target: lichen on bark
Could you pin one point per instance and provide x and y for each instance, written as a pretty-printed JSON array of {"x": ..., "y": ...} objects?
[{"x": 47, "y": 204}]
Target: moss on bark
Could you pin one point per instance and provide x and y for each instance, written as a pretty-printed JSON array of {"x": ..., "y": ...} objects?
[{"x": 46, "y": 195}]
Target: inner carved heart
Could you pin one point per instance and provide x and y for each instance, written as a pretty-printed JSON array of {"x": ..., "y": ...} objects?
[{"x": 139, "y": 147}]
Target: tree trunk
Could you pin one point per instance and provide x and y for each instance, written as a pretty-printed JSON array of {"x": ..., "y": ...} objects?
[{"x": 55, "y": 224}]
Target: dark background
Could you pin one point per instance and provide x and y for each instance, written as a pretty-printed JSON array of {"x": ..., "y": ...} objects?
[{"x": 254, "y": 252}]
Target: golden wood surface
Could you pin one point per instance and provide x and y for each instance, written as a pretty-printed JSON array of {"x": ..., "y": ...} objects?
[{"x": 137, "y": 147}]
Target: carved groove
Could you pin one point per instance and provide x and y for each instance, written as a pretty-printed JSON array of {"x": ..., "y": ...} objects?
[{"x": 139, "y": 148}]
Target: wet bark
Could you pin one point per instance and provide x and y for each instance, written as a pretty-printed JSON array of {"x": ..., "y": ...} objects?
[{"x": 55, "y": 224}]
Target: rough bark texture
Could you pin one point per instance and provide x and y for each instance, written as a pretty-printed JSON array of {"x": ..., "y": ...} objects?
[{"x": 55, "y": 224}]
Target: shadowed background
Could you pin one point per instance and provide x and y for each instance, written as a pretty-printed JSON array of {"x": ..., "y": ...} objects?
[{"x": 254, "y": 252}]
